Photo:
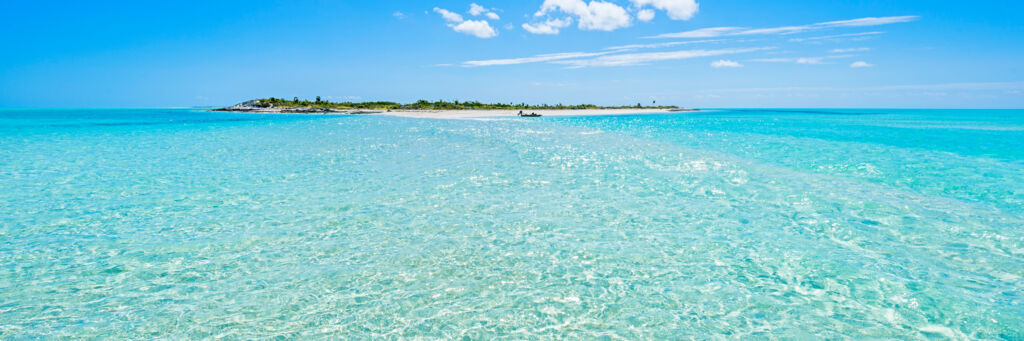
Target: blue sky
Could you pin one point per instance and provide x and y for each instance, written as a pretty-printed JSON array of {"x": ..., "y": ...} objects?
[{"x": 714, "y": 53}]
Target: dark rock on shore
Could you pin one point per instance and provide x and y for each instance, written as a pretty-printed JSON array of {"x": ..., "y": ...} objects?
[{"x": 256, "y": 106}]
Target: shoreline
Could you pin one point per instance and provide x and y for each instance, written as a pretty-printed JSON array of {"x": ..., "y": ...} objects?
[
  {"x": 467, "y": 114},
  {"x": 297, "y": 111},
  {"x": 473, "y": 114},
  {"x": 466, "y": 111}
]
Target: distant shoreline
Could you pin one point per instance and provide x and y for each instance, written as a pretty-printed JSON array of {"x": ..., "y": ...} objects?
[
  {"x": 438, "y": 109},
  {"x": 467, "y": 114},
  {"x": 471, "y": 114},
  {"x": 273, "y": 106},
  {"x": 298, "y": 110}
]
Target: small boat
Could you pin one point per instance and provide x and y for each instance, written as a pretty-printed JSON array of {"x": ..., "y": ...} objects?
[{"x": 532, "y": 114}]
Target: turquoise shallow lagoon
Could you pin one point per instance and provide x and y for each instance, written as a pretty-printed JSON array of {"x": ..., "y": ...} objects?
[{"x": 749, "y": 224}]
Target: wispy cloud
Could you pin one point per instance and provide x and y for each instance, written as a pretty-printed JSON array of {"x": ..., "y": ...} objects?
[
  {"x": 609, "y": 58},
  {"x": 725, "y": 63},
  {"x": 701, "y": 33},
  {"x": 838, "y": 37},
  {"x": 850, "y": 50},
  {"x": 801, "y": 60},
  {"x": 660, "y": 45},
  {"x": 644, "y": 58},
  {"x": 448, "y": 15},
  {"x": 814, "y": 60},
  {"x": 738, "y": 31},
  {"x": 535, "y": 59},
  {"x": 860, "y": 64},
  {"x": 398, "y": 15},
  {"x": 870, "y": 21}
]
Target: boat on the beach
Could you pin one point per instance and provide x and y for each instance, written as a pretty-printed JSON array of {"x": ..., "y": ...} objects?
[{"x": 532, "y": 114}]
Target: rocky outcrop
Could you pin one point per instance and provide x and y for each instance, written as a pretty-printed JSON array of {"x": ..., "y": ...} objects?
[{"x": 256, "y": 106}]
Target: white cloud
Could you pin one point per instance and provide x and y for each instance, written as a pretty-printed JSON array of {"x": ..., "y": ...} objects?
[
  {"x": 645, "y": 15},
  {"x": 552, "y": 26},
  {"x": 478, "y": 28},
  {"x": 534, "y": 59},
  {"x": 734, "y": 31},
  {"x": 839, "y": 37},
  {"x": 854, "y": 49},
  {"x": 448, "y": 15},
  {"x": 725, "y": 63},
  {"x": 860, "y": 64},
  {"x": 802, "y": 60},
  {"x": 869, "y": 21},
  {"x": 612, "y": 58},
  {"x": 676, "y": 9},
  {"x": 476, "y": 10},
  {"x": 660, "y": 45},
  {"x": 810, "y": 60},
  {"x": 596, "y": 15},
  {"x": 701, "y": 33},
  {"x": 399, "y": 15},
  {"x": 776, "y": 30},
  {"x": 642, "y": 58}
]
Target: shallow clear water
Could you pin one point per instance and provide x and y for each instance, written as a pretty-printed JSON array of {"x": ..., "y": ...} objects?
[{"x": 738, "y": 223}]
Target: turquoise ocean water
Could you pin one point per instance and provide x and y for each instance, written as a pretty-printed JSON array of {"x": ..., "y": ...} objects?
[{"x": 748, "y": 224}]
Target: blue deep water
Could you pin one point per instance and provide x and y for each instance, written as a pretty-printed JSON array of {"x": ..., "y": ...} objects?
[{"x": 750, "y": 224}]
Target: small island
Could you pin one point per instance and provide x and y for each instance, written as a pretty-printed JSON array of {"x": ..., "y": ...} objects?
[{"x": 437, "y": 109}]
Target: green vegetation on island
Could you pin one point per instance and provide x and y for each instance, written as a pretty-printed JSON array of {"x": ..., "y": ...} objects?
[{"x": 426, "y": 105}]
